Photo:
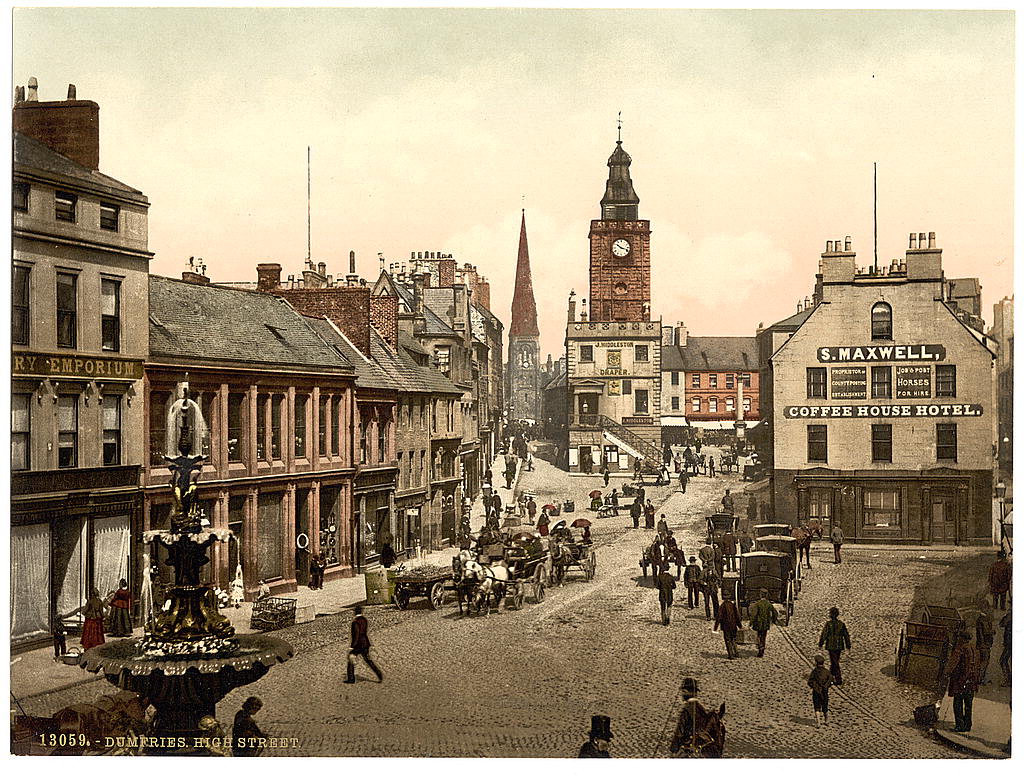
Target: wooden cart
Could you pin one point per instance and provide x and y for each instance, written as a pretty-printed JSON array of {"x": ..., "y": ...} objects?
[{"x": 432, "y": 582}]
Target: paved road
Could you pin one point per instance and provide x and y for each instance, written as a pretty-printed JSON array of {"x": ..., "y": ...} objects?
[{"x": 524, "y": 683}]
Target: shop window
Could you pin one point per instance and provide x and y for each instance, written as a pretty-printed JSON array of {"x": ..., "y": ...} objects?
[
  {"x": 945, "y": 441},
  {"x": 64, "y": 206},
  {"x": 641, "y": 353},
  {"x": 881, "y": 443},
  {"x": 881, "y": 321},
  {"x": 19, "y": 196},
  {"x": 817, "y": 443},
  {"x": 881, "y": 381},
  {"x": 882, "y": 508},
  {"x": 21, "y": 320},
  {"x": 236, "y": 441},
  {"x": 67, "y": 310},
  {"x": 675, "y": 377},
  {"x": 301, "y": 408},
  {"x": 109, "y": 216},
  {"x": 695, "y": 380},
  {"x": 110, "y": 300},
  {"x": 640, "y": 402},
  {"x": 276, "y": 407},
  {"x": 21, "y": 431},
  {"x": 586, "y": 353},
  {"x": 67, "y": 431},
  {"x": 712, "y": 405},
  {"x": 111, "y": 430},
  {"x": 712, "y": 380},
  {"x": 816, "y": 382},
  {"x": 945, "y": 381}
]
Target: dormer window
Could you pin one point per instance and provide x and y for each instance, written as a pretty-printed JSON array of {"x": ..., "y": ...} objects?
[{"x": 881, "y": 321}]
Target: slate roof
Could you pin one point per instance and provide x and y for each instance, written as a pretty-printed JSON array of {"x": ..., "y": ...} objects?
[
  {"x": 415, "y": 378},
  {"x": 711, "y": 353},
  {"x": 368, "y": 373},
  {"x": 34, "y": 155},
  {"x": 794, "y": 321},
  {"x": 206, "y": 322},
  {"x": 435, "y": 326},
  {"x": 559, "y": 381}
]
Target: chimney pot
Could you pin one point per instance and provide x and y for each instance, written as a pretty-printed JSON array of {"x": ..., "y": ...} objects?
[
  {"x": 19, "y": 94},
  {"x": 920, "y": 240},
  {"x": 72, "y": 92},
  {"x": 848, "y": 244},
  {"x": 913, "y": 241},
  {"x": 33, "y": 89},
  {"x": 828, "y": 246},
  {"x": 931, "y": 239},
  {"x": 322, "y": 268}
]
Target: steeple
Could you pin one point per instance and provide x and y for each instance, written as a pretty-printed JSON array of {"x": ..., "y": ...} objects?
[
  {"x": 620, "y": 201},
  {"x": 524, "y": 307}
]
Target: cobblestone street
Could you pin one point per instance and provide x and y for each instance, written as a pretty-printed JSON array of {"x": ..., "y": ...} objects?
[{"x": 524, "y": 683}]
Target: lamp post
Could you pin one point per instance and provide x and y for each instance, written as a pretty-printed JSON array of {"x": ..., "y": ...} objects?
[{"x": 1001, "y": 497}]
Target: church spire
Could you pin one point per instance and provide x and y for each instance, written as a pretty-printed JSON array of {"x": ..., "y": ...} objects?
[
  {"x": 524, "y": 307},
  {"x": 620, "y": 201}
]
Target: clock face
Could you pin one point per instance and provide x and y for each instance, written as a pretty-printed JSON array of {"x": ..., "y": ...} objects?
[
  {"x": 621, "y": 248},
  {"x": 524, "y": 358}
]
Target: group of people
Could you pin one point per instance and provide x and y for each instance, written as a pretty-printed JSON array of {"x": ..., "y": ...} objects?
[{"x": 100, "y": 616}]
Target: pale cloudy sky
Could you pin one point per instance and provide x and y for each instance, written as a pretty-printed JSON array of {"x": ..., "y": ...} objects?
[{"x": 752, "y": 135}]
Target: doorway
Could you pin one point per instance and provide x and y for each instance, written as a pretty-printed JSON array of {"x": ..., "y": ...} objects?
[
  {"x": 943, "y": 522},
  {"x": 586, "y": 460}
]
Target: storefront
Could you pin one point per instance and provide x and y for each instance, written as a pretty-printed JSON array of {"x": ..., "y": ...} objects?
[{"x": 372, "y": 515}]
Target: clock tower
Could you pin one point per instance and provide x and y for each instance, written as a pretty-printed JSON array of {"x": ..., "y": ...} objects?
[
  {"x": 620, "y": 250},
  {"x": 523, "y": 394}
]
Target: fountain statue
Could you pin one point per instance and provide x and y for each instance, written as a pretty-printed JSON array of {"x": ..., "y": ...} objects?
[{"x": 190, "y": 656}]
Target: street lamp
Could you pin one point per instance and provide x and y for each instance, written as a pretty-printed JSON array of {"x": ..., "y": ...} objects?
[{"x": 1001, "y": 497}]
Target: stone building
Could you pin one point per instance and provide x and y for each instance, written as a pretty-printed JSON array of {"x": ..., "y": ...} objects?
[
  {"x": 79, "y": 306},
  {"x": 523, "y": 370},
  {"x": 613, "y": 358},
  {"x": 1002, "y": 332},
  {"x": 883, "y": 413}
]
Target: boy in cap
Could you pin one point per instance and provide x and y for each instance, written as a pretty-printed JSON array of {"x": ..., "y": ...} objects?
[
  {"x": 600, "y": 736},
  {"x": 820, "y": 680}
]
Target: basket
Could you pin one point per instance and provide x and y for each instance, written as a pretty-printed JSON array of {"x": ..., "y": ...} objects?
[{"x": 73, "y": 657}]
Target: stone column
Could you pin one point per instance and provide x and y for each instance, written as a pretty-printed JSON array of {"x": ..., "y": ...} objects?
[
  {"x": 314, "y": 440},
  {"x": 288, "y": 534}
]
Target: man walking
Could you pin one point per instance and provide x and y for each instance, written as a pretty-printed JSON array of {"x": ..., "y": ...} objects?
[
  {"x": 999, "y": 577},
  {"x": 728, "y": 621},
  {"x": 684, "y": 478},
  {"x": 606, "y": 473},
  {"x": 649, "y": 516},
  {"x": 496, "y": 505},
  {"x": 727, "y": 503},
  {"x": 820, "y": 680},
  {"x": 985, "y": 637},
  {"x": 691, "y": 577},
  {"x": 531, "y": 510},
  {"x": 662, "y": 527},
  {"x": 762, "y": 616},
  {"x": 729, "y": 551},
  {"x": 710, "y": 582},
  {"x": 665, "y": 584},
  {"x": 360, "y": 647},
  {"x": 836, "y": 537},
  {"x": 803, "y": 543},
  {"x": 834, "y": 638},
  {"x": 711, "y": 466},
  {"x": 963, "y": 681},
  {"x": 634, "y": 511},
  {"x": 1006, "y": 655}
]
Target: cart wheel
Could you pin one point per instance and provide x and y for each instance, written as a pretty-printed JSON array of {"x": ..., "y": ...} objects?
[
  {"x": 401, "y": 599},
  {"x": 901, "y": 662},
  {"x": 789, "y": 601},
  {"x": 437, "y": 596},
  {"x": 589, "y": 568}
]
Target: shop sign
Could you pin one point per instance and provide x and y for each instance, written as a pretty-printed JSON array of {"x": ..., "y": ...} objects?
[
  {"x": 913, "y": 382},
  {"x": 638, "y": 421},
  {"x": 887, "y": 410},
  {"x": 613, "y": 344},
  {"x": 614, "y": 372},
  {"x": 849, "y": 382},
  {"x": 899, "y": 352},
  {"x": 43, "y": 365}
]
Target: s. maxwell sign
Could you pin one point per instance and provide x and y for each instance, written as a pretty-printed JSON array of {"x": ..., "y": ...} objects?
[
  {"x": 888, "y": 352},
  {"x": 44, "y": 365}
]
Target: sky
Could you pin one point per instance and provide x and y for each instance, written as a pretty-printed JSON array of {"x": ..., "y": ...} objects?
[{"x": 753, "y": 136}]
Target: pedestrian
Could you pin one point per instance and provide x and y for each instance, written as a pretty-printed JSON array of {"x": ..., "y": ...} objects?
[
  {"x": 727, "y": 503},
  {"x": 836, "y": 537},
  {"x": 820, "y": 680},
  {"x": 684, "y": 479},
  {"x": 710, "y": 582},
  {"x": 665, "y": 584},
  {"x": 985, "y": 637},
  {"x": 634, "y": 511},
  {"x": 487, "y": 477},
  {"x": 707, "y": 555},
  {"x": 834, "y": 638},
  {"x": 637, "y": 469},
  {"x": 728, "y": 621},
  {"x": 529, "y": 461},
  {"x": 121, "y": 611},
  {"x": 718, "y": 558},
  {"x": 247, "y": 739},
  {"x": 614, "y": 497},
  {"x": 999, "y": 579},
  {"x": 607, "y": 474},
  {"x": 711, "y": 467},
  {"x": 531, "y": 510},
  {"x": 93, "y": 612},
  {"x": 543, "y": 521},
  {"x": 60, "y": 642},
  {"x": 729, "y": 550},
  {"x": 691, "y": 577},
  {"x": 1006, "y": 656},
  {"x": 496, "y": 505},
  {"x": 649, "y": 516},
  {"x": 962, "y": 669},
  {"x": 360, "y": 647},
  {"x": 762, "y": 616},
  {"x": 662, "y": 527},
  {"x": 752, "y": 510},
  {"x": 642, "y": 493},
  {"x": 697, "y": 444},
  {"x": 316, "y": 571},
  {"x": 803, "y": 543},
  {"x": 586, "y": 539},
  {"x": 237, "y": 588},
  {"x": 746, "y": 543},
  {"x": 600, "y": 738},
  {"x": 387, "y": 551},
  {"x": 672, "y": 553}
]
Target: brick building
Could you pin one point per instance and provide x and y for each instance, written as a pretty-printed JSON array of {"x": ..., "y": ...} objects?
[
  {"x": 882, "y": 405},
  {"x": 79, "y": 307}
]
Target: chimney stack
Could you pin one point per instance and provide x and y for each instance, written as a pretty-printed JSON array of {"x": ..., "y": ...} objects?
[
  {"x": 931, "y": 240},
  {"x": 583, "y": 311},
  {"x": 72, "y": 92},
  {"x": 572, "y": 306},
  {"x": 268, "y": 277},
  {"x": 848, "y": 244},
  {"x": 70, "y": 127},
  {"x": 33, "y": 89}
]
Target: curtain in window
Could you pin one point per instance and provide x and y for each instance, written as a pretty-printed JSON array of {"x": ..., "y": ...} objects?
[
  {"x": 268, "y": 537},
  {"x": 30, "y": 581},
  {"x": 69, "y": 559},
  {"x": 110, "y": 549}
]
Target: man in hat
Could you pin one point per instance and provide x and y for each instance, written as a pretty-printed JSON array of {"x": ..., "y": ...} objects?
[
  {"x": 727, "y": 503},
  {"x": 834, "y": 638},
  {"x": 836, "y": 537},
  {"x": 728, "y": 621},
  {"x": 963, "y": 671},
  {"x": 819, "y": 680},
  {"x": 762, "y": 616},
  {"x": 999, "y": 576},
  {"x": 635, "y": 510},
  {"x": 665, "y": 584},
  {"x": 691, "y": 577},
  {"x": 600, "y": 738},
  {"x": 531, "y": 509},
  {"x": 662, "y": 526},
  {"x": 710, "y": 582},
  {"x": 360, "y": 647},
  {"x": 684, "y": 479}
]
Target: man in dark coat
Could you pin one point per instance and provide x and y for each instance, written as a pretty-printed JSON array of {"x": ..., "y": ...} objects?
[
  {"x": 963, "y": 671},
  {"x": 999, "y": 577},
  {"x": 635, "y": 511},
  {"x": 665, "y": 584},
  {"x": 729, "y": 551},
  {"x": 728, "y": 621},
  {"x": 360, "y": 647},
  {"x": 496, "y": 505},
  {"x": 984, "y": 637},
  {"x": 691, "y": 577},
  {"x": 762, "y": 616},
  {"x": 684, "y": 479},
  {"x": 245, "y": 733},
  {"x": 727, "y": 503},
  {"x": 834, "y": 639},
  {"x": 820, "y": 680},
  {"x": 600, "y": 738}
]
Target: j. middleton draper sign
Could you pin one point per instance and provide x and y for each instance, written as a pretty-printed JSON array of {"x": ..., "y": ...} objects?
[{"x": 888, "y": 352}]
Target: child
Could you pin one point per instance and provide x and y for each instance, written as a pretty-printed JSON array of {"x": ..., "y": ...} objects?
[
  {"x": 819, "y": 680},
  {"x": 60, "y": 643}
]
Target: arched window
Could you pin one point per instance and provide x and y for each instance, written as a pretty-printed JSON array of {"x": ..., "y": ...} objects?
[
  {"x": 881, "y": 321},
  {"x": 713, "y": 405}
]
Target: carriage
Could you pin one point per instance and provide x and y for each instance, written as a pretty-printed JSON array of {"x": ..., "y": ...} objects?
[
  {"x": 503, "y": 571},
  {"x": 786, "y": 545},
  {"x": 729, "y": 463},
  {"x": 721, "y": 523},
  {"x": 930, "y": 639},
  {"x": 766, "y": 570},
  {"x": 528, "y": 558},
  {"x": 429, "y": 581},
  {"x": 566, "y": 553},
  {"x": 772, "y": 529}
]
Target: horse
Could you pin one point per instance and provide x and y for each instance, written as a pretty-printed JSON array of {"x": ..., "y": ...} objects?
[
  {"x": 699, "y": 733},
  {"x": 490, "y": 583}
]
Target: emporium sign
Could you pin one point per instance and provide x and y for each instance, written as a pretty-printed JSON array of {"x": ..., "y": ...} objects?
[
  {"x": 888, "y": 410},
  {"x": 898, "y": 352},
  {"x": 40, "y": 364}
]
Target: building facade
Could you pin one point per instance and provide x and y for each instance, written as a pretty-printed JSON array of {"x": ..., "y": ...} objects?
[
  {"x": 524, "y": 401},
  {"x": 883, "y": 406},
  {"x": 79, "y": 336},
  {"x": 1002, "y": 332}
]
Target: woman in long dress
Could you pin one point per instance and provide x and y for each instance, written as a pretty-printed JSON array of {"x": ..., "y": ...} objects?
[
  {"x": 93, "y": 610},
  {"x": 121, "y": 611}
]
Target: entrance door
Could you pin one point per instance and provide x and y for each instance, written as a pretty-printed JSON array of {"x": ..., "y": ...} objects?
[
  {"x": 586, "y": 460},
  {"x": 302, "y": 527},
  {"x": 943, "y": 520}
]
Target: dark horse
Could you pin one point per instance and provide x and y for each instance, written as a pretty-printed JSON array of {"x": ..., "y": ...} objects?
[{"x": 699, "y": 733}]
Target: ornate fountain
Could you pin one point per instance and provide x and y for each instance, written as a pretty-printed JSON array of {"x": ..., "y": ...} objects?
[{"x": 190, "y": 656}]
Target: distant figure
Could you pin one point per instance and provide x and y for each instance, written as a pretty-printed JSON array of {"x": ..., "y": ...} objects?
[
  {"x": 836, "y": 537},
  {"x": 316, "y": 571},
  {"x": 665, "y": 584},
  {"x": 728, "y": 621},
  {"x": 615, "y": 499},
  {"x": 692, "y": 577},
  {"x": 93, "y": 611},
  {"x": 60, "y": 642},
  {"x": 729, "y": 551},
  {"x": 1006, "y": 656},
  {"x": 985, "y": 637},
  {"x": 963, "y": 670},
  {"x": 121, "y": 611},
  {"x": 662, "y": 526},
  {"x": 635, "y": 510},
  {"x": 762, "y": 616},
  {"x": 649, "y": 516},
  {"x": 607, "y": 474},
  {"x": 237, "y": 588},
  {"x": 999, "y": 579},
  {"x": 834, "y": 639},
  {"x": 360, "y": 647},
  {"x": 820, "y": 680},
  {"x": 684, "y": 479},
  {"x": 600, "y": 738},
  {"x": 531, "y": 510},
  {"x": 727, "y": 503},
  {"x": 710, "y": 582},
  {"x": 387, "y": 553},
  {"x": 543, "y": 521},
  {"x": 697, "y": 444},
  {"x": 803, "y": 543},
  {"x": 711, "y": 466},
  {"x": 246, "y": 735}
]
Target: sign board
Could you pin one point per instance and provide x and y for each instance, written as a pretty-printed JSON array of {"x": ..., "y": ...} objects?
[
  {"x": 913, "y": 382},
  {"x": 888, "y": 410},
  {"x": 879, "y": 353},
  {"x": 849, "y": 382},
  {"x": 80, "y": 366}
]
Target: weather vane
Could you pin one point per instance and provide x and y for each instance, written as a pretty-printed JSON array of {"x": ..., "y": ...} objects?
[{"x": 620, "y": 126}]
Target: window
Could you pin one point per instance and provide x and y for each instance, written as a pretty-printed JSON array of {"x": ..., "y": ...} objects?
[
  {"x": 19, "y": 196},
  {"x": 881, "y": 443},
  {"x": 945, "y": 441},
  {"x": 111, "y": 430},
  {"x": 443, "y": 357},
  {"x": 675, "y": 377},
  {"x": 746, "y": 380},
  {"x": 641, "y": 353},
  {"x": 158, "y": 400},
  {"x": 67, "y": 431},
  {"x": 261, "y": 426},
  {"x": 364, "y": 427},
  {"x": 21, "y": 321},
  {"x": 730, "y": 404},
  {"x": 21, "y": 431},
  {"x": 881, "y": 381},
  {"x": 730, "y": 381},
  {"x": 627, "y": 387},
  {"x": 816, "y": 383},
  {"x": 236, "y": 403},
  {"x": 945, "y": 381},
  {"x": 301, "y": 407},
  {"x": 451, "y": 416},
  {"x": 336, "y": 427},
  {"x": 817, "y": 443},
  {"x": 67, "y": 310},
  {"x": 882, "y": 508},
  {"x": 881, "y": 321},
  {"x": 403, "y": 481},
  {"x": 382, "y": 439},
  {"x": 109, "y": 216},
  {"x": 712, "y": 380},
  {"x": 819, "y": 503},
  {"x": 713, "y": 405},
  {"x": 695, "y": 405},
  {"x": 276, "y": 403},
  {"x": 433, "y": 416},
  {"x": 675, "y": 403},
  {"x": 640, "y": 402},
  {"x": 110, "y": 291},
  {"x": 322, "y": 434},
  {"x": 695, "y": 380},
  {"x": 586, "y": 353},
  {"x": 746, "y": 404},
  {"x": 65, "y": 204}
]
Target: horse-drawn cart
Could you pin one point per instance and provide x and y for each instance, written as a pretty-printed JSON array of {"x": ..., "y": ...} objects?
[
  {"x": 573, "y": 554},
  {"x": 721, "y": 523},
  {"x": 429, "y": 581},
  {"x": 786, "y": 545},
  {"x": 772, "y": 571}
]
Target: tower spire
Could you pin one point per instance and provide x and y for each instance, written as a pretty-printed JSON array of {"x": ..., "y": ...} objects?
[
  {"x": 524, "y": 306},
  {"x": 620, "y": 126}
]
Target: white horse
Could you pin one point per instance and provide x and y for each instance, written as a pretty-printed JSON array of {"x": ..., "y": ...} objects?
[{"x": 493, "y": 581}]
